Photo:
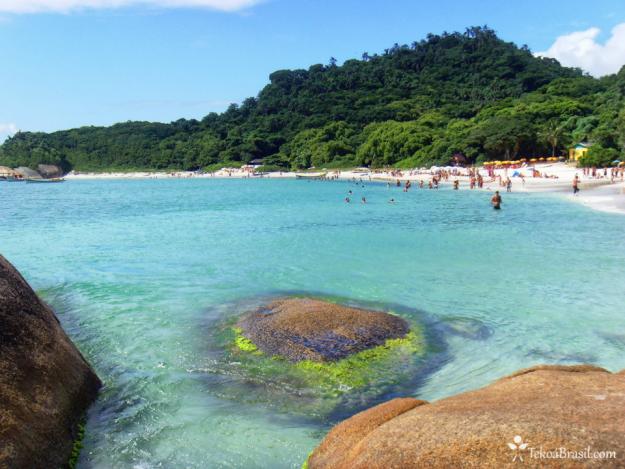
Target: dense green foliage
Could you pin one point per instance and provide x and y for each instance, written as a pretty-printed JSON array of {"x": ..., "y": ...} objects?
[{"x": 468, "y": 93}]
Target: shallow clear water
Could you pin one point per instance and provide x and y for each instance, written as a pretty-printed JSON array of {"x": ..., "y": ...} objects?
[{"x": 142, "y": 272}]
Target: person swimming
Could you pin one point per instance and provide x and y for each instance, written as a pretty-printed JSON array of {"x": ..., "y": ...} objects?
[
  {"x": 496, "y": 201},
  {"x": 347, "y": 200},
  {"x": 392, "y": 201},
  {"x": 364, "y": 200}
]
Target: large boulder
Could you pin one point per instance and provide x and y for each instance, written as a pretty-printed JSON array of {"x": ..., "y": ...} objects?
[
  {"x": 49, "y": 171},
  {"x": 306, "y": 329},
  {"x": 45, "y": 383},
  {"x": 27, "y": 172},
  {"x": 546, "y": 416}
]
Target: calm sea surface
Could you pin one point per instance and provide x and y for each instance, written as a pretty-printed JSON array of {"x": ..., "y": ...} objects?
[{"x": 143, "y": 275}]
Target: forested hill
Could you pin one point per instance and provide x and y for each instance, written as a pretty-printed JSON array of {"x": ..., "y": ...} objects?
[{"x": 413, "y": 105}]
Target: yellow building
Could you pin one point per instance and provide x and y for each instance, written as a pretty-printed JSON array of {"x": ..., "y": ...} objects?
[{"x": 578, "y": 151}]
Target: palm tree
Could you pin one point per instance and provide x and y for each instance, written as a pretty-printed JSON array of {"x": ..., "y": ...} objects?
[{"x": 552, "y": 133}]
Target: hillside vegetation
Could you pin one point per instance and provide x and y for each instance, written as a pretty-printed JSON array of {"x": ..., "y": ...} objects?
[{"x": 411, "y": 106}]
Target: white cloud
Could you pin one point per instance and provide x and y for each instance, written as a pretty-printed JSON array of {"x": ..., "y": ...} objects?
[
  {"x": 66, "y": 6},
  {"x": 581, "y": 49},
  {"x": 7, "y": 130}
]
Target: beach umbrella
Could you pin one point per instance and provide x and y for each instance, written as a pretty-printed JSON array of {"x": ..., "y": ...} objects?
[
  {"x": 534, "y": 160},
  {"x": 616, "y": 161}
]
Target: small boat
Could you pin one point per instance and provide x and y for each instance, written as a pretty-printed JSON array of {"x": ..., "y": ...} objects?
[
  {"x": 40, "y": 180},
  {"x": 14, "y": 179},
  {"x": 311, "y": 176}
]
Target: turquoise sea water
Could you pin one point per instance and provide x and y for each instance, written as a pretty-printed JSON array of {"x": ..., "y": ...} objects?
[{"x": 142, "y": 274}]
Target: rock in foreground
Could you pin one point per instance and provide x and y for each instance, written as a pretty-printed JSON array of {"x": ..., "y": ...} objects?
[
  {"x": 546, "y": 408},
  {"x": 45, "y": 383},
  {"x": 305, "y": 329}
]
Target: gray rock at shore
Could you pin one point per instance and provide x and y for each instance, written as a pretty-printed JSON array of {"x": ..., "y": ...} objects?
[
  {"x": 306, "y": 329},
  {"x": 27, "y": 172},
  {"x": 49, "y": 171},
  {"x": 531, "y": 414},
  {"x": 45, "y": 383}
]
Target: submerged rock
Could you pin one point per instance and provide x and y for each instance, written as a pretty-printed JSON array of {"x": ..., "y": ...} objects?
[
  {"x": 467, "y": 328},
  {"x": 45, "y": 383},
  {"x": 536, "y": 411},
  {"x": 305, "y": 329},
  {"x": 318, "y": 360}
]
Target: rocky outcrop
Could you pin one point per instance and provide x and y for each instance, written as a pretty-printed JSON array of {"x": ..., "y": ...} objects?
[
  {"x": 306, "y": 329},
  {"x": 45, "y": 383},
  {"x": 27, "y": 172},
  {"x": 537, "y": 415},
  {"x": 49, "y": 171}
]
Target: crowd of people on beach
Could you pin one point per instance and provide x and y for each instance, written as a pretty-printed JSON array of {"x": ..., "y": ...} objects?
[{"x": 612, "y": 173}]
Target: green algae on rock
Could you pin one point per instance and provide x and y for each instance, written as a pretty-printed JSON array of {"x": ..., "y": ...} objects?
[
  {"x": 309, "y": 329},
  {"x": 244, "y": 343},
  {"x": 320, "y": 333}
]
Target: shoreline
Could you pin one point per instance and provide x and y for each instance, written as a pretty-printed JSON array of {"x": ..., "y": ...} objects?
[{"x": 596, "y": 193}]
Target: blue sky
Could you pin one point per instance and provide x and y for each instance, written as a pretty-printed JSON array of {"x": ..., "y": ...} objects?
[{"x": 145, "y": 61}]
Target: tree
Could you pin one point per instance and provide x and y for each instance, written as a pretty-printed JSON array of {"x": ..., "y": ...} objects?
[
  {"x": 552, "y": 133},
  {"x": 599, "y": 156},
  {"x": 505, "y": 137}
]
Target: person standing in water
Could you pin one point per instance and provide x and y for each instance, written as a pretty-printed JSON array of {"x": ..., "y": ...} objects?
[
  {"x": 575, "y": 184},
  {"x": 496, "y": 201}
]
